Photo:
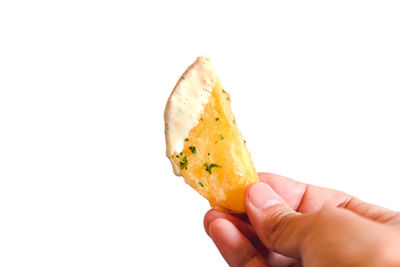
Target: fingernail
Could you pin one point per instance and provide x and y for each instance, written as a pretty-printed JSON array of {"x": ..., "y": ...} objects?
[{"x": 262, "y": 196}]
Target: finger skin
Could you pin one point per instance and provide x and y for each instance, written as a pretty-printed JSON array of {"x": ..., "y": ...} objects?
[
  {"x": 243, "y": 227},
  {"x": 272, "y": 258},
  {"x": 273, "y": 220},
  {"x": 233, "y": 245},
  {"x": 306, "y": 198},
  {"x": 302, "y": 197},
  {"x": 332, "y": 236},
  {"x": 317, "y": 226},
  {"x": 373, "y": 212}
]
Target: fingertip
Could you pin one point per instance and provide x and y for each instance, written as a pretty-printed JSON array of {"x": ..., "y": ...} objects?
[
  {"x": 209, "y": 217},
  {"x": 233, "y": 245},
  {"x": 260, "y": 196},
  {"x": 265, "y": 176},
  {"x": 218, "y": 226},
  {"x": 248, "y": 190},
  {"x": 247, "y": 194}
]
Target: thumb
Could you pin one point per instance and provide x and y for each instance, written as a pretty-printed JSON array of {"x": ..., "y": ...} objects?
[{"x": 278, "y": 226}]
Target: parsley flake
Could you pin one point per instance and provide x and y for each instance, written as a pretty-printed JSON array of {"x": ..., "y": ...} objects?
[
  {"x": 212, "y": 165},
  {"x": 183, "y": 163},
  {"x": 193, "y": 149},
  {"x": 186, "y": 139},
  {"x": 221, "y": 136},
  {"x": 216, "y": 119},
  {"x": 201, "y": 184}
]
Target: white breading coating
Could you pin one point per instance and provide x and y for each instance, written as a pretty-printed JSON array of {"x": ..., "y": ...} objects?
[{"x": 186, "y": 103}]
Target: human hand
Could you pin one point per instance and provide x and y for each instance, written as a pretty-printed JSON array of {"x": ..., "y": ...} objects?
[{"x": 289, "y": 223}]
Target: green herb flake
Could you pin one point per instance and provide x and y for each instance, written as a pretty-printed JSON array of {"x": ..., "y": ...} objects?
[
  {"x": 224, "y": 91},
  {"x": 216, "y": 119},
  {"x": 186, "y": 139},
  {"x": 221, "y": 136},
  {"x": 201, "y": 119},
  {"x": 228, "y": 99},
  {"x": 245, "y": 141},
  {"x": 183, "y": 77},
  {"x": 193, "y": 149},
  {"x": 183, "y": 163},
  {"x": 181, "y": 153},
  {"x": 212, "y": 165},
  {"x": 201, "y": 184},
  {"x": 208, "y": 154},
  {"x": 177, "y": 156}
]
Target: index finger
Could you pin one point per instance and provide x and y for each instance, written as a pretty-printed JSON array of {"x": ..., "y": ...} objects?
[{"x": 301, "y": 197}]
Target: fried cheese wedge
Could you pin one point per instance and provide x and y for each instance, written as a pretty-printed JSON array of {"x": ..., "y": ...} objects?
[{"x": 203, "y": 141}]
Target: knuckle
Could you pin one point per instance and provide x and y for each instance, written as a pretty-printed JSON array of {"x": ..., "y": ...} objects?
[
  {"x": 390, "y": 217},
  {"x": 324, "y": 221},
  {"x": 396, "y": 219},
  {"x": 326, "y": 215},
  {"x": 277, "y": 226}
]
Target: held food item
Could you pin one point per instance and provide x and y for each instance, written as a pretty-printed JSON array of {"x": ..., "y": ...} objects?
[{"x": 204, "y": 144}]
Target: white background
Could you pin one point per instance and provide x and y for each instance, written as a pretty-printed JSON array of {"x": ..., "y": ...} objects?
[{"x": 84, "y": 180}]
